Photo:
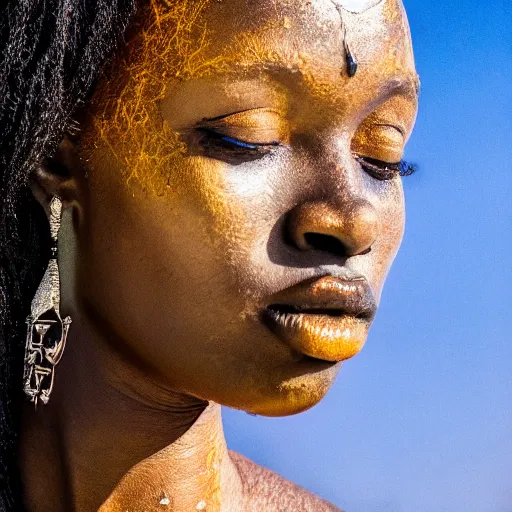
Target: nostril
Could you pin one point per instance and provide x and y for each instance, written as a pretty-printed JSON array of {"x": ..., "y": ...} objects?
[
  {"x": 325, "y": 243},
  {"x": 346, "y": 229}
]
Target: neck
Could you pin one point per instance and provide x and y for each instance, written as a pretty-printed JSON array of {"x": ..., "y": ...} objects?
[{"x": 112, "y": 438}]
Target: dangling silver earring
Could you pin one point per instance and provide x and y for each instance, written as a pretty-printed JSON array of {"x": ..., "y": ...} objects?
[{"x": 46, "y": 330}]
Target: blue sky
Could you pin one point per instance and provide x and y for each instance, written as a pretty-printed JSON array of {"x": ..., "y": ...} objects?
[{"x": 421, "y": 420}]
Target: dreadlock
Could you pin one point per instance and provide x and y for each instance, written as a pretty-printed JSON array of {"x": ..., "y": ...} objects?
[{"x": 51, "y": 55}]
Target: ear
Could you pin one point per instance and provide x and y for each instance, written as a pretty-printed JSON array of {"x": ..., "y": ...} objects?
[{"x": 57, "y": 176}]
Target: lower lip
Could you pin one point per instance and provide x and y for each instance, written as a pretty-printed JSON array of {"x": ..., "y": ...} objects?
[{"x": 320, "y": 336}]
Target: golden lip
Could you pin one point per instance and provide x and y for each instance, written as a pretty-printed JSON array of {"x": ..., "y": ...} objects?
[
  {"x": 323, "y": 337},
  {"x": 326, "y": 318}
]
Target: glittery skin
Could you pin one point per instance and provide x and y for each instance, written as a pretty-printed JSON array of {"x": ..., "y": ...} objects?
[
  {"x": 124, "y": 114},
  {"x": 184, "y": 243},
  {"x": 171, "y": 43},
  {"x": 271, "y": 76}
]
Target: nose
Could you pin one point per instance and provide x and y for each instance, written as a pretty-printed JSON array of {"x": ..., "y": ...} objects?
[{"x": 345, "y": 230}]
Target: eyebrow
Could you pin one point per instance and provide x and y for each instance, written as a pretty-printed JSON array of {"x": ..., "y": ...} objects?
[{"x": 405, "y": 85}]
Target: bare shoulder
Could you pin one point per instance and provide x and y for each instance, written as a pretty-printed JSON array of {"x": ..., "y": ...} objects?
[{"x": 266, "y": 490}]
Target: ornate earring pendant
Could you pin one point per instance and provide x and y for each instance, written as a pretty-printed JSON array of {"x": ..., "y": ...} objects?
[{"x": 46, "y": 330}]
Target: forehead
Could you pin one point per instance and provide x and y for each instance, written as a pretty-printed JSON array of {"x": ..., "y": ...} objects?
[
  {"x": 240, "y": 46},
  {"x": 307, "y": 36}
]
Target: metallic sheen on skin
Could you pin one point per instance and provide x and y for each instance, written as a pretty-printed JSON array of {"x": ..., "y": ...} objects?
[
  {"x": 326, "y": 319},
  {"x": 199, "y": 273}
]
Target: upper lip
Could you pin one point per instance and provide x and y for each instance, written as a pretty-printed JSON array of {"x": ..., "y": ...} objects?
[{"x": 327, "y": 295}]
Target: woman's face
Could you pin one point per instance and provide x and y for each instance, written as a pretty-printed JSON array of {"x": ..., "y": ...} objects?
[{"x": 237, "y": 219}]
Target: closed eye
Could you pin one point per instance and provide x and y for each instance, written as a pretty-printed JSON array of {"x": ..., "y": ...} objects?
[
  {"x": 385, "y": 171},
  {"x": 215, "y": 144}
]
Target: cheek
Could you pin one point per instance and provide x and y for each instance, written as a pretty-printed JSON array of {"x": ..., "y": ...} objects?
[
  {"x": 170, "y": 261},
  {"x": 218, "y": 202},
  {"x": 172, "y": 275},
  {"x": 392, "y": 215}
]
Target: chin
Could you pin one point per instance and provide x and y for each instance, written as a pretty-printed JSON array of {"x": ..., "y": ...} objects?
[{"x": 294, "y": 394}]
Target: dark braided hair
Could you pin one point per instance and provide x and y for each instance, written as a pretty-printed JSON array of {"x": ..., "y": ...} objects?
[{"x": 51, "y": 55}]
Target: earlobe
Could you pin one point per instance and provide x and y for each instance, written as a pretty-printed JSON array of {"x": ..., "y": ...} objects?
[{"x": 57, "y": 176}]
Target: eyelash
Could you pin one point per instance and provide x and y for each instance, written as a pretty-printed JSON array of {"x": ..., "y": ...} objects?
[
  {"x": 218, "y": 137},
  {"x": 376, "y": 168},
  {"x": 229, "y": 149},
  {"x": 239, "y": 143},
  {"x": 385, "y": 171}
]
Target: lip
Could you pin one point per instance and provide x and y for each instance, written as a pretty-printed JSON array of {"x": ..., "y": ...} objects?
[{"x": 324, "y": 318}]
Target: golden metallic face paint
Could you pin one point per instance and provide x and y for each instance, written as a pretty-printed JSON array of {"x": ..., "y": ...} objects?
[
  {"x": 124, "y": 116},
  {"x": 195, "y": 235},
  {"x": 172, "y": 42}
]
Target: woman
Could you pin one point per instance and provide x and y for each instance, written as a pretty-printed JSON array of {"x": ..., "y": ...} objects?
[{"x": 224, "y": 190}]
